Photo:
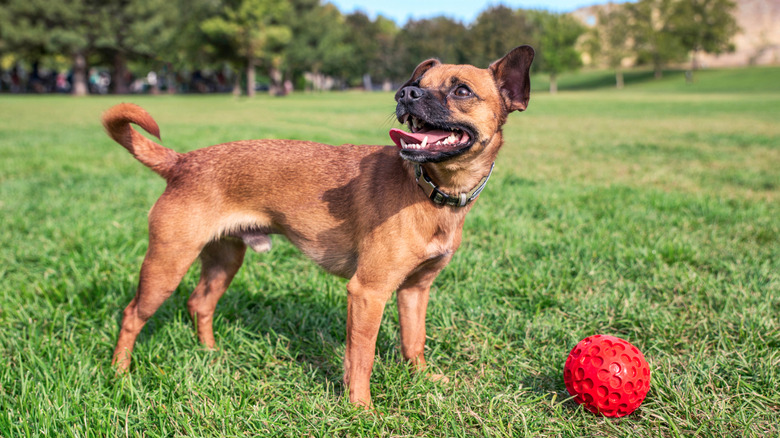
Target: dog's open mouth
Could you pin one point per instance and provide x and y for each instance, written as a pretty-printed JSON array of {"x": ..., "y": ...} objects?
[{"x": 430, "y": 139}]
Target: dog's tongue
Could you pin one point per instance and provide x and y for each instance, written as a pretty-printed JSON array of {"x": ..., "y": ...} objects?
[{"x": 417, "y": 137}]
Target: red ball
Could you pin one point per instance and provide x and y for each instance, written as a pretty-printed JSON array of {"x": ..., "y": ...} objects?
[{"x": 607, "y": 375}]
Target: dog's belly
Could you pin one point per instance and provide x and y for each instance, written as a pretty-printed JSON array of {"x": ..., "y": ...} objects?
[
  {"x": 337, "y": 261},
  {"x": 330, "y": 249}
]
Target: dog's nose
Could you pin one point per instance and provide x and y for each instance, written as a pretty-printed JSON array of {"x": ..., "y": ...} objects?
[{"x": 409, "y": 94}]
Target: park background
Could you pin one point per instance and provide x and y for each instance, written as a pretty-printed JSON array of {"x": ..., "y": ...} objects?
[
  {"x": 648, "y": 212},
  {"x": 152, "y": 46}
]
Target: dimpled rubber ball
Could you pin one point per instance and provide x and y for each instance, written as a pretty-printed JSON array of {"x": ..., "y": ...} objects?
[{"x": 607, "y": 375}]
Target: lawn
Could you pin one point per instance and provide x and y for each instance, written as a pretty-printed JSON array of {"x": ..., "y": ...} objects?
[{"x": 651, "y": 213}]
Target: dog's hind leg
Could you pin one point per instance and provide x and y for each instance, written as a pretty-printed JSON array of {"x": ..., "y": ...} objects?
[
  {"x": 220, "y": 261},
  {"x": 163, "y": 268},
  {"x": 175, "y": 240}
]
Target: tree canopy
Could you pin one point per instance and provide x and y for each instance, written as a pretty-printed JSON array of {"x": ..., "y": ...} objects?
[{"x": 218, "y": 44}]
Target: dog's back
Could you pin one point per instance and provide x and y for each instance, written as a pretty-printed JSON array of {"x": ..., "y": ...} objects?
[{"x": 252, "y": 188}]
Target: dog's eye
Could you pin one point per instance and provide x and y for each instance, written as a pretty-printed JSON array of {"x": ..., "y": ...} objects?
[{"x": 463, "y": 91}]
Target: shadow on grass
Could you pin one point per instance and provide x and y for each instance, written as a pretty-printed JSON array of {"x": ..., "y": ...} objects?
[
  {"x": 300, "y": 329},
  {"x": 311, "y": 325}
]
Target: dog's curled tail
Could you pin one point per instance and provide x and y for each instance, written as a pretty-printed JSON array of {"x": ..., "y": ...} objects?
[{"x": 117, "y": 120}]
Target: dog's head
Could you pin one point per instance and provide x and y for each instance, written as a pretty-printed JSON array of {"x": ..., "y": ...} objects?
[{"x": 452, "y": 110}]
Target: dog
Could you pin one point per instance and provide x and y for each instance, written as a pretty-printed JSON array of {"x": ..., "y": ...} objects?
[{"x": 387, "y": 218}]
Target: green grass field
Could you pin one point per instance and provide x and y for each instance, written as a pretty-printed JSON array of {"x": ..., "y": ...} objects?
[{"x": 651, "y": 213}]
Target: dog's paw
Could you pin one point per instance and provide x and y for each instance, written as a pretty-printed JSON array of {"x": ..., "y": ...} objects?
[
  {"x": 121, "y": 368},
  {"x": 438, "y": 378}
]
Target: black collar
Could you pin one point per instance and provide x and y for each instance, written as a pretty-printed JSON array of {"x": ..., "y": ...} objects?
[{"x": 440, "y": 198}]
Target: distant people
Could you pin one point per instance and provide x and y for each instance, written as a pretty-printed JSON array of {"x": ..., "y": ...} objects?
[
  {"x": 151, "y": 79},
  {"x": 62, "y": 84},
  {"x": 16, "y": 80}
]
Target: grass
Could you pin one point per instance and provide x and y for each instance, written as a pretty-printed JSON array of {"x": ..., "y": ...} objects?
[{"x": 650, "y": 214}]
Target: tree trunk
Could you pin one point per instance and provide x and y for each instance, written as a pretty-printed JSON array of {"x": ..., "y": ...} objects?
[
  {"x": 277, "y": 87},
  {"x": 367, "y": 84},
  {"x": 658, "y": 71},
  {"x": 170, "y": 82},
  {"x": 250, "y": 77},
  {"x": 120, "y": 78},
  {"x": 695, "y": 60},
  {"x": 619, "y": 83},
  {"x": 79, "y": 86},
  {"x": 236, "y": 84},
  {"x": 553, "y": 83},
  {"x": 170, "y": 79}
]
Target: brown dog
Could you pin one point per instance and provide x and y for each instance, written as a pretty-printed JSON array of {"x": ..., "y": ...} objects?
[{"x": 387, "y": 218}]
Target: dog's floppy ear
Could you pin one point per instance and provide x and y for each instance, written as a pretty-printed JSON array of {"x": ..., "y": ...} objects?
[
  {"x": 511, "y": 76},
  {"x": 419, "y": 72}
]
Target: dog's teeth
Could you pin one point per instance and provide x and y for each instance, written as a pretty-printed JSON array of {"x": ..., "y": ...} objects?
[
  {"x": 424, "y": 142},
  {"x": 403, "y": 143}
]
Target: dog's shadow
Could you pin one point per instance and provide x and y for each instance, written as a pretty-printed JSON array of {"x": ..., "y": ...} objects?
[
  {"x": 261, "y": 322},
  {"x": 266, "y": 321}
]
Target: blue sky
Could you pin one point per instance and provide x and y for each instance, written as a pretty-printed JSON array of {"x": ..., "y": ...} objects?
[{"x": 464, "y": 10}]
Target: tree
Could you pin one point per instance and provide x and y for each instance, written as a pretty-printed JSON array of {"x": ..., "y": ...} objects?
[
  {"x": 385, "y": 60},
  {"x": 179, "y": 44},
  {"x": 257, "y": 30},
  {"x": 655, "y": 41},
  {"x": 319, "y": 45},
  {"x": 496, "y": 31},
  {"x": 438, "y": 37},
  {"x": 132, "y": 30},
  {"x": 705, "y": 25},
  {"x": 609, "y": 40},
  {"x": 557, "y": 35},
  {"x": 372, "y": 42},
  {"x": 35, "y": 29},
  {"x": 110, "y": 32}
]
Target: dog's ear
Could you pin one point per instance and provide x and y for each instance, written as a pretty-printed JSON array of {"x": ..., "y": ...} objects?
[
  {"x": 511, "y": 76},
  {"x": 419, "y": 72}
]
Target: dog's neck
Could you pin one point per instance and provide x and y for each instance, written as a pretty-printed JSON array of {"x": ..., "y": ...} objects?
[
  {"x": 460, "y": 180},
  {"x": 440, "y": 197}
]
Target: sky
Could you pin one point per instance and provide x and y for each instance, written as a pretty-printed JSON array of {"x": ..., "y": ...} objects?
[{"x": 464, "y": 10}]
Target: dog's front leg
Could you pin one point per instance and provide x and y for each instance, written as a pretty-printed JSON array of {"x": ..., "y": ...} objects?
[{"x": 365, "y": 305}]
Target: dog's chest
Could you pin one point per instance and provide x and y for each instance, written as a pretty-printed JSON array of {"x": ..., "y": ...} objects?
[{"x": 444, "y": 241}]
